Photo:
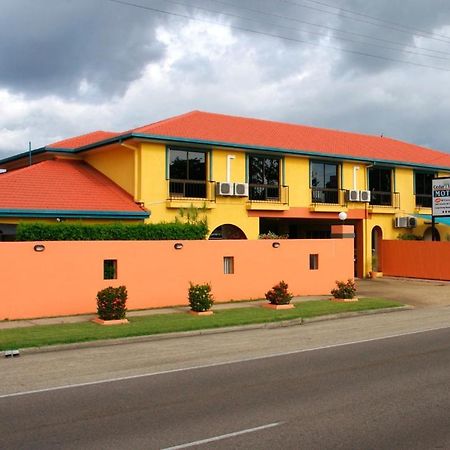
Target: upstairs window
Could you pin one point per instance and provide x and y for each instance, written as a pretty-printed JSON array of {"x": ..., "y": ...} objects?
[
  {"x": 324, "y": 182},
  {"x": 187, "y": 173},
  {"x": 380, "y": 185},
  {"x": 264, "y": 177},
  {"x": 422, "y": 183}
]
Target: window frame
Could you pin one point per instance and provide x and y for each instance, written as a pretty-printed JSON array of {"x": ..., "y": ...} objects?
[
  {"x": 188, "y": 187},
  {"x": 264, "y": 189},
  {"x": 322, "y": 194}
]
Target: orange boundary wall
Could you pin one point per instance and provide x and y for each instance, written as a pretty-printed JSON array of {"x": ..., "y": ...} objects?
[
  {"x": 416, "y": 259},
  {"x": 65, "y": 278}
]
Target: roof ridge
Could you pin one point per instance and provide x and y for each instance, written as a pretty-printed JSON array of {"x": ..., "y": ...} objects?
[{"x": 164, "y": 121}]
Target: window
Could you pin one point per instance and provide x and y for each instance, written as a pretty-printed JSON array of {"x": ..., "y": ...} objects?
[
  {"x": 314, "y": 261},
  {"x": 264, "y": 178},
  {"x": 228, "y": 265},
  {"x": 380, "y": 185},
  {"x": 324, "y": 182},
  {"x": 187, "y": 173},
  {"x": 422, "y": 183},
  {"x": 110, "y": 269}
]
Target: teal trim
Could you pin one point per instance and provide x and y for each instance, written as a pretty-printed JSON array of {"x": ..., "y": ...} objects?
[
  {"x": 283, "y": 171},
  {"x": 167, "y": 162},
  {"x": 298, "y": 152},
  {"x": 43, "y": 213},
  {"x": 209, "y": 155},
  {"x": 247, "y": 176}
]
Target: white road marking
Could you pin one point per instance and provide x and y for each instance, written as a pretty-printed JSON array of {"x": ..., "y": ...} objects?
[
  {"x": 205, "y": 366},
  {"x": 224, "y": 436}
]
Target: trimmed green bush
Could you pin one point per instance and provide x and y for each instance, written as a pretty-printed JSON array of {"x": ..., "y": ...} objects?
[
  {"x": 111, "y": 303},
  {"x": 279, "y": 294},
  {"x": 344, "y": 289},
  {"x": 200, "y": 297},
  {"x": 110, "y": 232}
]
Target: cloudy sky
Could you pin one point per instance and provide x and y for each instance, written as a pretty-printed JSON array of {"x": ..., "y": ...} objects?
[{"x": 69, "y": 67}]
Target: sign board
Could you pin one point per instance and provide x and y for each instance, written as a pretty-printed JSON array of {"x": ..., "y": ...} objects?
[{"x": 440, "y": 192}]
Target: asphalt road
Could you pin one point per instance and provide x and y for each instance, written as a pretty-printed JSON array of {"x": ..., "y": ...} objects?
[{"x": 386, "y": 393}]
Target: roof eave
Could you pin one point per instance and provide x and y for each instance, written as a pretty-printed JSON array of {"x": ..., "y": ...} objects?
[
  {"x": 73, "y": 214},
  {"x": 296, "y": 152}
]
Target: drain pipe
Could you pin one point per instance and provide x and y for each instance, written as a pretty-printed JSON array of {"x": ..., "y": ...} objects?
[{"x": 229, "y": 159}]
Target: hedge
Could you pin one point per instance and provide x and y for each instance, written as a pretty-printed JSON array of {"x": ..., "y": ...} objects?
[{"x": 110, "y": 232}]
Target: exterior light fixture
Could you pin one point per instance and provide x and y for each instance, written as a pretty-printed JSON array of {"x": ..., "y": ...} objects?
[
  {"x": 39, "y": 248},
  {"x": 275, "y": 244},
  {"x": 178, "y": 246},
  {"x": 342, "y": 215}
]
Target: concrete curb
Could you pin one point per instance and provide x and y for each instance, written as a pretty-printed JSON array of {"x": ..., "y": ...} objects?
[{"x": 165, "y": 336}]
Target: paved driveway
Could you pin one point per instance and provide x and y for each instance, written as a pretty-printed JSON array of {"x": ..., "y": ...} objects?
[{"x": 418, "y": 293}]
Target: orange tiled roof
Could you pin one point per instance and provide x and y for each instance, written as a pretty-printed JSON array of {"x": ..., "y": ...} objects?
[
  {"x": 264, "y": 134},
  {"x": 63, "y": 185},
  {"x": 84, "y": 139}
]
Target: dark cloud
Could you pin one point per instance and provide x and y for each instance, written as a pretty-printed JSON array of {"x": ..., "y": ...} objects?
[{"x": 50, "y": 46}]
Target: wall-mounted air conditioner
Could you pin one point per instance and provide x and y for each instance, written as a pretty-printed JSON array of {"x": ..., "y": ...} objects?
[
  {"x": 405, "y": 222},
  {"x": 364, "y": 196},
  {"x": 241, "y": 189},
  {"x": 224, "y": 188},
  {"x": 353, "y": 195},
  {"x": 412, "y": 222}
]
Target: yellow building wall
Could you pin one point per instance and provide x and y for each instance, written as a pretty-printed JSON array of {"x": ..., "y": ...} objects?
[{"x": 117, "y": 163}]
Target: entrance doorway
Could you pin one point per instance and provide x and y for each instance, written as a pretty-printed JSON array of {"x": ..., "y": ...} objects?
[{"x": 377, "y": 236}]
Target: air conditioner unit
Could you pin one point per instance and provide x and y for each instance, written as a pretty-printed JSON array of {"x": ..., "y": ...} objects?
[
  {"x": 353, "y": 195},
  {"x": 412, "y": 222},
  {"x": 241, "y": 189},
  {"x": 401, "y": 222},
  {"x": 224, "y": 188},
  {"x": 364, "y": 196}
]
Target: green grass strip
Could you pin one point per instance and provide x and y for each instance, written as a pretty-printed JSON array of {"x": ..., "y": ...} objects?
[{"x": 43, "y": 335}]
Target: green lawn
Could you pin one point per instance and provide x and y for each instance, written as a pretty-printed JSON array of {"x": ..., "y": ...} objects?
[{"x": 42, "y": 335}]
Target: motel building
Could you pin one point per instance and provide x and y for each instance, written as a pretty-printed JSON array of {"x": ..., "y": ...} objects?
[{"x": 249, "y": 177}]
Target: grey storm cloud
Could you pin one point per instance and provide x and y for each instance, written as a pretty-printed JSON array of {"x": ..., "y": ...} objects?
[{"x": 50, "y": 46}]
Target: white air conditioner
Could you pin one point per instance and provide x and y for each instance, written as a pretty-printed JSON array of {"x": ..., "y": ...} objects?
[
  {"x": 241, "y": 189},
  {"x": 353, "y": 195},
  {"x": 364, "y": 196},
  {"x": 412, "y": 222},
  {"x": 224, "y": 188},
  {"x": 405, "y": 222}
]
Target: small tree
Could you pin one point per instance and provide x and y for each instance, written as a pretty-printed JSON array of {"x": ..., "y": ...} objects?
[
  {"x": 346, "y": 290},
  {"x": 200, "y": 297},
  {"x": 279, "y": 294},
  {"x": 111, "y": 303}
]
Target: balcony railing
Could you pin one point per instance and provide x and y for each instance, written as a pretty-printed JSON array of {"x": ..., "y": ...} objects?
[
  {"x": 390, "y": 199},
  {"x": 268, "y": 193},
  {"x": 191, "y": 189},
  {"x": 328, "y": 196},
  {"x": 423, "y": 200}
]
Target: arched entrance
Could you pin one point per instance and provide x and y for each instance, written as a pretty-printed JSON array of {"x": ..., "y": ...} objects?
[
  {"x": 428, "y": 235},
  {"x": 227, "y": 231},
  {"x": 377, "y": 236}
]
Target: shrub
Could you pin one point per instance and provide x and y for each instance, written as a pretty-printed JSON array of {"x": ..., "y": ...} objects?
[
  {"x": 111, "y": 303},
  {"x": 409, "y": 237},
  {"x": 114, "y": 231},
  {"x": 200, "y": 297},
  {"x": 271, "y": 235},
  {"x": 344, "y": 289},
  {"x": 279, "y": 294}
]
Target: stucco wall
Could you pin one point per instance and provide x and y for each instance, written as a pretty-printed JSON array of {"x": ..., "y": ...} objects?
[
  {"x": 65, "y": 277},
  {"x": 416, "y": 259}
]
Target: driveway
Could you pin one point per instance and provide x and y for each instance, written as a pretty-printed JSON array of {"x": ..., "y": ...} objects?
[{"x": 418, "y": 293}]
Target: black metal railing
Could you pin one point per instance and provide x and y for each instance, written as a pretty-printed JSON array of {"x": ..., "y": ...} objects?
[
  {"x": 379, "y": 198},
  {"x": 191, "y": 189},
  {"x": 328, "y": 196},
  {"x": 423, "y": 200},
  {"x": 270, "y": 193}
]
